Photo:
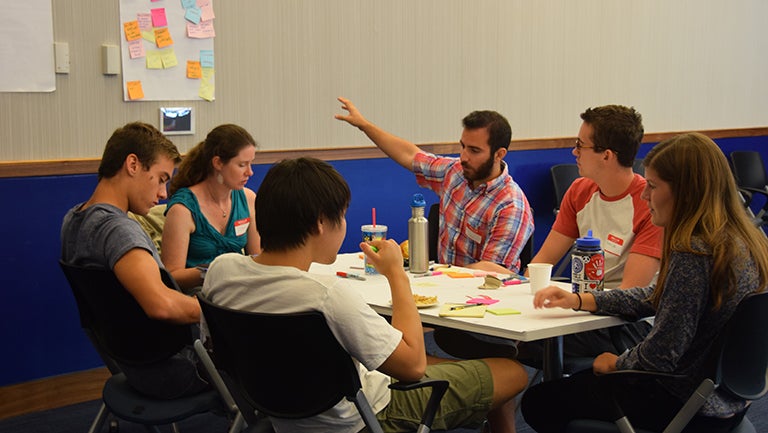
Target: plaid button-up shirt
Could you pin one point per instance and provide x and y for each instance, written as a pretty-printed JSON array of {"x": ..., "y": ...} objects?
[{"x": 491, "y": 222}]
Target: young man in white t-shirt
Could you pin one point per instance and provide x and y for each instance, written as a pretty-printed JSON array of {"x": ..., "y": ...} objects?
[{"x": 300, "y": 213}]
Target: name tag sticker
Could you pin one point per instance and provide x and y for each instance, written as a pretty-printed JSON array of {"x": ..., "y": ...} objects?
[
  {"x": 472, "y": 234},
  {"x": 241, "y": 226},
  {"x": 614, "y": 245}
]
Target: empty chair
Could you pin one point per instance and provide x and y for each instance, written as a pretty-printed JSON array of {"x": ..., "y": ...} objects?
[
  {"x": 433, "y": 230},
  {"x": 638, "y": 167},
  {"x": 563, "y": 176},
  {"x": 749, "y": 172},
  {"x": 282, "y": 384},
  {"x": 740, "y": 361},
  {"x": 124, "y": 335}
]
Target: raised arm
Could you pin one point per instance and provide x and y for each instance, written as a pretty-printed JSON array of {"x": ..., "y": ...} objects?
[
  {"x": 139, "y": 273},
  {"x": 400, "y": 150},
  {"x": 408, "y": 362}
]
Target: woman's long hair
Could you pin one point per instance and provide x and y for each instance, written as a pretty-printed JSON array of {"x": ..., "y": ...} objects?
[
  {"x": 224, "y": 141},
  {"x": 706, "y": 206}
]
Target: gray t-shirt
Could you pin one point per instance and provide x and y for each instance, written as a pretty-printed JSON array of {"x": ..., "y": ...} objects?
[{"x": 100, "y": 235}]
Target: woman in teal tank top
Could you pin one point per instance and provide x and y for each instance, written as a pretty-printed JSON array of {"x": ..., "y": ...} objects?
[{"x": 211, "y": 211}]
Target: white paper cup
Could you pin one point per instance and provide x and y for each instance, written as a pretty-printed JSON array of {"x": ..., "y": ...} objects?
[{"x": 538, "y": 275}]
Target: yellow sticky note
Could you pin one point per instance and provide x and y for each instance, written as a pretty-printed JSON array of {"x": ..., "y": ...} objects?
[
  {"x": 163, "y": 37},
  {"x": 132, "y": 31},
  {"x": 503, "y": 311},
  {"x": 458, "y": 274},
  {"x": 134, "y": 90},
  {"x": 462, "y": 310},
  {"x": 207, "y": 86},
  {"x": 148, "y": 35},
  {"x": 193, "y": 69},
  {"x": 169, "y": 58},
  {"x": 154, "y": 60}
]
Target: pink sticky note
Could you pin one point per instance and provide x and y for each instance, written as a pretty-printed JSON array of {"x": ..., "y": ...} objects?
[
  {"x": 483, "y": 301},
  {"x": 158, "y": 17}
]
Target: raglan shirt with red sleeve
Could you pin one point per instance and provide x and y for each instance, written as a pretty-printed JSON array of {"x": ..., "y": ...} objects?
[{"x": 623, "y": 223}]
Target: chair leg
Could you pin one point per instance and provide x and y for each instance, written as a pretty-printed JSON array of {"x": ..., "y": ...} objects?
[
  {"x": 237, "y": 424},
  {"x": 98, "y": 422}
]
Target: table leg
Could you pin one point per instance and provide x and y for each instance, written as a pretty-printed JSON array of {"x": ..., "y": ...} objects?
[{"x": 553, "y": 358}]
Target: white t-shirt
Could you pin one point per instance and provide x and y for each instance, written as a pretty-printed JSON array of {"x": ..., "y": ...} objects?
[{"x": 237, "y": 282}]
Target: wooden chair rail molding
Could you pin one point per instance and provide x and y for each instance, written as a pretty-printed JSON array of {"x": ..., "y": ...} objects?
[{"x": 90, "y": 165}]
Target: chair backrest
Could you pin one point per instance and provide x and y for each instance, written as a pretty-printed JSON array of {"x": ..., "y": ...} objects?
[
  {"x": 563, "y": 176},
  {"x": 638, "y": 167},
  {"x": 283, "y": 365},
  {"x": 116, "y": 323},
  {"x": 433, "y": 230},
  {"x": 748, "y": 169},
  {"x": 743, "y": 366}
]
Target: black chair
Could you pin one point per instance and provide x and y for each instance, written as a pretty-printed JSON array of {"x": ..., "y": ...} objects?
[
  {"x": 305, "y": 373},
  {"x": 740, "y": 361},
  {"x": 433, "y": 229},
  {"x": 124, "y": 335},
  {"x": 749, "y": 172},
  {"x": 563, "y": 176},
  {"x": 638, "y": 167}
]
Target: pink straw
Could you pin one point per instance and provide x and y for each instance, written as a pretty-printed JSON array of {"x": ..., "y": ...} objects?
[{"x": 373, "y": 216}]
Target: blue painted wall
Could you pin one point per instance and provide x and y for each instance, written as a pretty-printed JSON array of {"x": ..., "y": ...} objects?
[{"x": 39, "y": 327}]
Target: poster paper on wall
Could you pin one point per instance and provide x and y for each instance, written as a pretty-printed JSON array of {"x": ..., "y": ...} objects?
[
  {"x": 159, "y": 40},
  {"x": 26, "y": 47}
]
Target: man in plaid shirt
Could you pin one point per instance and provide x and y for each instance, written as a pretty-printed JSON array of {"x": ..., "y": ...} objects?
[{"x": 486, "y": 218}]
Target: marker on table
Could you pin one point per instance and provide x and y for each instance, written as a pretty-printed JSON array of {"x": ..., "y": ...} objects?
[{"x": 349, "y": 275}]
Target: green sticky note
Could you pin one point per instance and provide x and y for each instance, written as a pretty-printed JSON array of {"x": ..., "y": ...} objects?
[{"x": 502, "y": 311}]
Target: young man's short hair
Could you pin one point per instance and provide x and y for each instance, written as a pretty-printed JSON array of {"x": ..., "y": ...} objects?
[
  {"x": 499, "y": 131},
  {"x": 140, "y": 139},
  {"x": 294, "y": 195},
  {"x": 618, "y": 128}
]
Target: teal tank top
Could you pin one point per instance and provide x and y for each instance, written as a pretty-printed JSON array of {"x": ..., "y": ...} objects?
[{"x": 206, "y": 243}]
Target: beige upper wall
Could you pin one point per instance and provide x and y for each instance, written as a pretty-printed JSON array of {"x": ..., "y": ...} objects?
[{"x": 416, "y": 68}]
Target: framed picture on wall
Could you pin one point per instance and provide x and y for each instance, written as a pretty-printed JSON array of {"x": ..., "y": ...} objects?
[{"x": 177, "y": 121}]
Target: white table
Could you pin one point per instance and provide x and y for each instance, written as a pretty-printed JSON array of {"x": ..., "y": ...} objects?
[{"x": 532, "y": 324}]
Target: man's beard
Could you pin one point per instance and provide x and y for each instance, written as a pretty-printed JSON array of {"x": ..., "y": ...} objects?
[{"x": 483, "y": 172}]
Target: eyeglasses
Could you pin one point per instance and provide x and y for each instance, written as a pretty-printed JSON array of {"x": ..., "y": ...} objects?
[{"x": 580, "y": 145}]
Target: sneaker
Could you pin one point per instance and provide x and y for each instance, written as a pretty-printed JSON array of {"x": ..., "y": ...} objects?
[{"x": 465, "y": 345}]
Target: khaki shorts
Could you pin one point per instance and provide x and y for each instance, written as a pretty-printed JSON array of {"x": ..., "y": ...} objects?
[{"x": 465, "y": 404}]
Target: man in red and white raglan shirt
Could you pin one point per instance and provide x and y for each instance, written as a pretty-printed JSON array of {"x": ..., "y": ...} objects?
[{"x": 606, "y": 200}]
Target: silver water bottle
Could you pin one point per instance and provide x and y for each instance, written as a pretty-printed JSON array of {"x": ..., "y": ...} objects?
[{"x": 418, "y": 247}]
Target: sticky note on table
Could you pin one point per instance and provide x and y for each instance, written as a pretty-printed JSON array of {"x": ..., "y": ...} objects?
[
  {"x": 459, "y": 274},
  {"x": 503, "y": 311},
  {"x": 462, "y": 310}
]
